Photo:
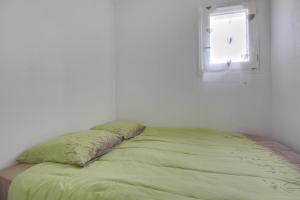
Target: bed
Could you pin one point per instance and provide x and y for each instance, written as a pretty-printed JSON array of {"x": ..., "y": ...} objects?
[{"x": 172, "y": 164}]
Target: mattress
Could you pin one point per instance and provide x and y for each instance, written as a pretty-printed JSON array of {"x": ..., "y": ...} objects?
[
  {"x": 7, "y": 176},
  {"x": 170, "y": 164},
  {"x": 279, "y": 149}
]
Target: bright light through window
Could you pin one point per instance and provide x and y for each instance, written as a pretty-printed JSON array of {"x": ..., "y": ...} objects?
[{"x": 229, "y": 37}]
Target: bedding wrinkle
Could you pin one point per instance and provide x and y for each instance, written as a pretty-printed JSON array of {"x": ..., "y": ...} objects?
[
  {"x": 208, "y": 171},
  {"x": 150, "y": 187}
]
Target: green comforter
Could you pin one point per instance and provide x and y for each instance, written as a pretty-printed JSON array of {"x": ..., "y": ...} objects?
[{"x": 168, "y": 164}]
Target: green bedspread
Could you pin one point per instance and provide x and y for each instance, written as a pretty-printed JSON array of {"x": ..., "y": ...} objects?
[{"x": 168, "y": 164}]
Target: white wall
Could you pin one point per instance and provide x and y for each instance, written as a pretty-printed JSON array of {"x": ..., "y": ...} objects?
[
  {"x": 286, "y": 70},
  {"x": 157, "y": 80},
  {"x": 56, "y": 69}
]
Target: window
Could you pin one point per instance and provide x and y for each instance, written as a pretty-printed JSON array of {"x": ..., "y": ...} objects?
[{"x": 229, "y": 38}]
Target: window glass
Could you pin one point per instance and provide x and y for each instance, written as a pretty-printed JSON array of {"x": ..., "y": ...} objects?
[{"x": 229, "y": 41}]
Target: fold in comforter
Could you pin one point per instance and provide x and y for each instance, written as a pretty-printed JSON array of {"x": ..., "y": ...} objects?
[{"x": 168, "y": 164}]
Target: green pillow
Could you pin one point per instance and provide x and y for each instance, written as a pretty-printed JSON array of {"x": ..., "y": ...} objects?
[
  {"x": 124, "y": 129},
  {"x": 78, "y": 148}
]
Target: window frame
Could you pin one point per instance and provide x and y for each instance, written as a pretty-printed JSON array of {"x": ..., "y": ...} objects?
[{"x": 204, "y": 37}]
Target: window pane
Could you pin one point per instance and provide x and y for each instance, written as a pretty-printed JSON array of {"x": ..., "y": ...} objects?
[{"x": 229, "y": 38}]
